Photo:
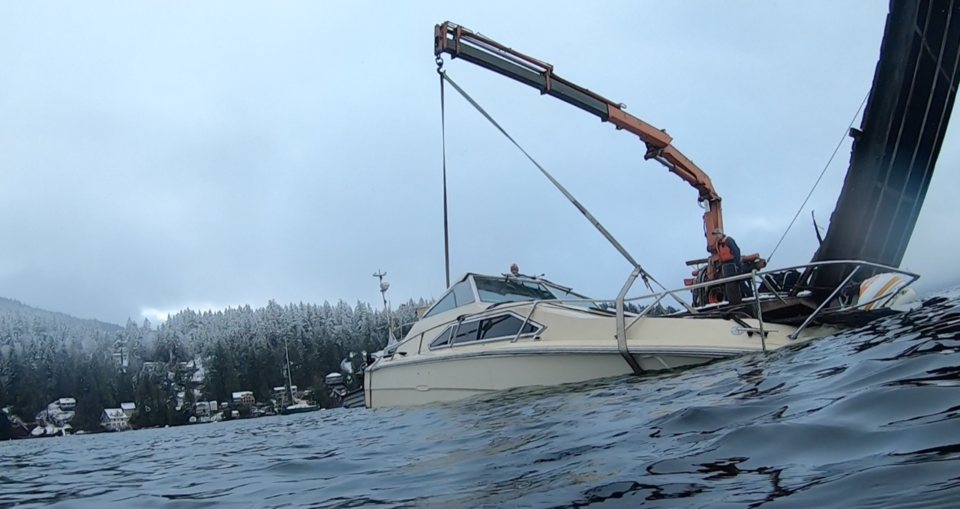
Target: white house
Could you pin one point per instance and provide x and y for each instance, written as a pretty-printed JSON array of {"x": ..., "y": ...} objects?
[
  {"x": 205, "y": 407},
  {"x": 128, "y": 408},
  {"x": 279, "y": 391},
  {"x": 154, "y": 366},
  {"x": 244, "y": 397},
  {"x": 122, "y": 358},
  {"x": 59, "y": 412},
  {"x": 114, "y": 419}
]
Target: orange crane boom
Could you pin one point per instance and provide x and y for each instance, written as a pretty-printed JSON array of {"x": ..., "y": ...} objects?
[{"x": 459, "y": 42}]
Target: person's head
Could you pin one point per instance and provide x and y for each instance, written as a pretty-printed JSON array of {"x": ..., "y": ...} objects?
[
  {"x": 718, "y": 234},
  {"x": 514, "y": 269}
]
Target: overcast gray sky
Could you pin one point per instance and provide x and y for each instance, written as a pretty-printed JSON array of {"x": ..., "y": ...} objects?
[{"x": 210, "y": 154}]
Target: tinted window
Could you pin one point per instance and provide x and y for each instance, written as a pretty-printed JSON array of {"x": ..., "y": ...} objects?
[
  {"x": 443, "y": 339},
  {"x": 460, "y": 295},
  {"x": 563, "y": 293},
  {"x": 503, "y": 326},
  {"x": 463, "y": 293},
  {"x": 568, "y": 294},
  {"x": 510, "y": 290},
  {"x": 466, "y": 332},
  {"x": 447, "y": 303}
]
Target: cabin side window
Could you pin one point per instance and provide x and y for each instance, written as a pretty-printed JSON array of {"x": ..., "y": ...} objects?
[
  {"x": 443, "y": 339},
  {"x": 503, "y": 327},
  {"x": 488, "y": 329},
  {"x": 466, "y": 332}
]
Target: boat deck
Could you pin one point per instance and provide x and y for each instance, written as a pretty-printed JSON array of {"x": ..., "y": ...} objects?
[{"x": 791, "y": 311}]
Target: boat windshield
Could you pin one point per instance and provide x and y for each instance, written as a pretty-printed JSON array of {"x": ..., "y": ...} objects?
[
  {"x": 498, "y": 290},
  {"x": 566, "y": 293},
  {"x": 563, "y": 294}
]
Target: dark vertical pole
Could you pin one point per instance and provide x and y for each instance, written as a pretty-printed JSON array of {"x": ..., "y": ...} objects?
[{"x": 443, "y": 131}]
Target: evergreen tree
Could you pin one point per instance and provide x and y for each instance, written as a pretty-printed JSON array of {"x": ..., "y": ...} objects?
[{"x": 45, "y": 357}]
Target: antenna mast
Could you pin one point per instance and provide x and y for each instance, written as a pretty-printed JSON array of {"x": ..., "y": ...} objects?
[{"x": 384, "y": 286}]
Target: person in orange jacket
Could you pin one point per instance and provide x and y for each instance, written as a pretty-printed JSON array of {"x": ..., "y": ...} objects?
[
  {"x": 729, "y": 253},
  {"x": 727, "y": 248}
]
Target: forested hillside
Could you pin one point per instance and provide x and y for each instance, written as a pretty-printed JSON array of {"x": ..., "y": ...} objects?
[
  {"x": 190, "y": 357},
  {"x": 45, "y": 356},
  {"x": 10, "y": 305}
]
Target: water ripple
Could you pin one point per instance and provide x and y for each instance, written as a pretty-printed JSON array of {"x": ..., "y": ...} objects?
[{"x": 866, "y": 419}]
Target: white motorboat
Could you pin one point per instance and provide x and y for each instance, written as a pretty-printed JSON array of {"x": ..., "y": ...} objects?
[{"x": 491, "y": 333}]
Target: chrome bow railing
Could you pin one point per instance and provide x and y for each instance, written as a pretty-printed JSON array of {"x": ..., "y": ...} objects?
[{"x": 771, "y": 292}]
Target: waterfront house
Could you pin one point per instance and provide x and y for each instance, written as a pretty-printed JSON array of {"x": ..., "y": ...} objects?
[
  {"x": 244, "y": 398},
  {"x": 122, "y": 359},
  {"x": 280, "y": 391},
  {"x": 201, "y": 408},
  {"x": 151, "y": 366},
  {"x": 67, "y": 404},
  {"x": 128, "y": 408},
  {"x": 59, "y": 412},
  {"x": 114, "y": 419}
]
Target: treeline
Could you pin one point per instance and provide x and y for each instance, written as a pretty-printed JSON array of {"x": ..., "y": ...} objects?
[
  {"x": 192, "y": 356},
  {"x": 631, "y": 307},
  {"x": 44, "y": 357}
]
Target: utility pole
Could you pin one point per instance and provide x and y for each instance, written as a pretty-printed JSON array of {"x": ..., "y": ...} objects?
[
  {"x": 384, "y": 286},
  {"x": 121, "y": 345},
  {"x": 288, "y": 391}
]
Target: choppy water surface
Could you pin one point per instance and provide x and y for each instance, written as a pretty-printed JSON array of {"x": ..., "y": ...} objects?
[{"x": 866, "y": 419}]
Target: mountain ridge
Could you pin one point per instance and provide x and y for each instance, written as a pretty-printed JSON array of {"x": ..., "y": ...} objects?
[{"x": 8, "y": 306}]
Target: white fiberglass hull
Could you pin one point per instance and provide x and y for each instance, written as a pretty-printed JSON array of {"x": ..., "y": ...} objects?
[
  {"x": 489, "y": 333},
  {"x": 656, "y": 343},
  {"x": 465, "y": 376}
]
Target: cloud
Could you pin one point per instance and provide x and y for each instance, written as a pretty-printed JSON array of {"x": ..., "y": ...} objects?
[{"x": 158, "y": 157}]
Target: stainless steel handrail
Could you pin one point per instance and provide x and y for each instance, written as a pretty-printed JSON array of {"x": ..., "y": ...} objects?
[
  {"x": 756, "y": 299},
  {"x": 621, "y": 300},
  {"x": 525, "y": 321},
  {"x": 621, "y": 324},
  {"x": 740, "y": 277},
  {"x": 824, "y": 303},
  {"x": 645, "y": 310}
]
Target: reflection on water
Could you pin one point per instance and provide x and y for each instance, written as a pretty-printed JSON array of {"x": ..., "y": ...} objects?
[{"x": 865, "y": 419}]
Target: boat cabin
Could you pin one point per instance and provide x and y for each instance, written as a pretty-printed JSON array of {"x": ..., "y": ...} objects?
[
  {"x": 491, "y": 290},
  {"x": 476, "y": 292}
]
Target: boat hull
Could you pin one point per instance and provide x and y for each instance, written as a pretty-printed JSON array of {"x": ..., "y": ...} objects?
[
  {"x": 455, "y": 378},
  {"x": 573, "y": 348}
]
